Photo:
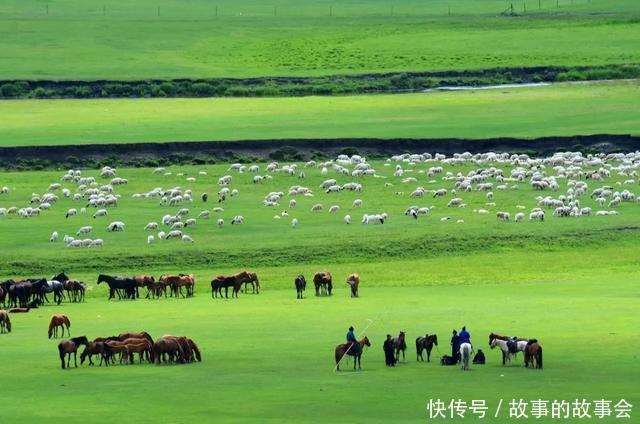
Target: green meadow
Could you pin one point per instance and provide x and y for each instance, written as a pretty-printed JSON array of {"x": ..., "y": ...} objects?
[
  {"x": 557, "y": 110},
  {"x": 570, "y": 282},
  {"x": 197, "y": 39}
]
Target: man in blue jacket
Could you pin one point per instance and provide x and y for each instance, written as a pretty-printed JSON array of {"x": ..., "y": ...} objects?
[{"x": 353, "y": 347}]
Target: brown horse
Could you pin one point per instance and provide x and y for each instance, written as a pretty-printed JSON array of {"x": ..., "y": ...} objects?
[
  {"x": 59, "y": 321},
  {"x": 67, "y": 347},
  {"x": 143, "y": 281},
  {"x": 96, "y": 348},
  {"x": 342, "y": 350},
  {"x": 354, "y": 281},
  {"x": 248, "y": 277},
  {"x": 189, "y": 347},
  {"x": 5, "y": 322},
  {"x": 140, "y": 346},
  {"x": 169, "y": 346},
  {"x": 399, "y": 344},
  {"x": 222, "y": 282},
  {"x": 117, "y": 346},
  {"x": 323, "y": 283},
  {"x": 141, "y": 335},
  {"x": 75, "y": 290},
  {"x": 533, "y": 353},
  {"x": 176, "y": 282},
  {"x": 426, "y": 343}
]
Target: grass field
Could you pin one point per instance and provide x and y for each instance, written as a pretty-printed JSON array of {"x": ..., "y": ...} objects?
[
  {"x": 562, "y": 109},
  {"x": 572, "y": 283},
  {"x": 123, "y": 40}
]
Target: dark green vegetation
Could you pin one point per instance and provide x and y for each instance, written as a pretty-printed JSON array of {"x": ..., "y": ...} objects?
[
  {"x": 167, "y": 39},
  {"x": 304, "y": 86}
]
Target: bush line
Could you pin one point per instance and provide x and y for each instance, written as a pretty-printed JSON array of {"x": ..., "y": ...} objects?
[{"x": 304, "y": 86}]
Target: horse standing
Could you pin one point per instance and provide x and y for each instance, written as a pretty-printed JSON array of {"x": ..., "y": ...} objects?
[
  {"x": 55, "y": 287},
  {"x": 399, "y": 344},
  {"x": 465, "y": 354},
  {"x": 533, "y": 353},
  {"x": 342, "y": 350},
  {"x": 58, "y": 321},
  {"x": 222, "y": 282},
  {"x": 119, "y": 283},
  {"x": 503, "y": 343},
  {"x": 353, "y": 281},
  {"x": 5, "y": 322},
  {"x": 248, "y": 277},
  {"x": 301, "y": 285},
  {"x": 426, "y": 343},
  {"x": 323, "y": 283},
  {"x": 96, "y": 348},
  {"x": 67, "y": 347}
]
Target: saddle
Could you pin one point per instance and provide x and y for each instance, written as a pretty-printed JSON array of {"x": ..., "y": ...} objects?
[{"x": 512, "y": 345}]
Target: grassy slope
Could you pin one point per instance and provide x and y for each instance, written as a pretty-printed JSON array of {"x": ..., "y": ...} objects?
[
  {"x": 524, "y": 112},
  {"x": 75, "y": 41}
]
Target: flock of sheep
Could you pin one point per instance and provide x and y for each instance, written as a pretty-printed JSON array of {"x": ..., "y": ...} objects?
[{"x": 564, "y": 181}]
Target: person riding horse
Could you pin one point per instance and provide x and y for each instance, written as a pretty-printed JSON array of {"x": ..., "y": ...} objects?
[
  {"x": 352, "y": 343},
  {"x": 464, "y": 337}
]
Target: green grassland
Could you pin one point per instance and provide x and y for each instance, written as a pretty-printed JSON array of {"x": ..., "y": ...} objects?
[
  {"x": 124, "y": 40},
  {"x": 572, "y": 283},
  {"x": 562, "y": 109}
]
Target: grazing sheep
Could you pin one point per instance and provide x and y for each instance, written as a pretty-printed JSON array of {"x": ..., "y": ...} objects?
[
  {"x": 54, "y": 236},
  {"x": 177, "y": 225},
  {"x": 190, "y": 221},
  {"x": 115, "y": 226},
  {"x": 84, "y": 230},
  {"x": 490, "y": 195},
  {"x": 317, "y": 207},
  {"x": 161, "y": 235},
  {"x": 204, "y": 214},
  {"x": 187, "y": 239},
  {"x": 347, "y": 219},
  {"x": 357, "y": 203},
  {"x": 294, "y": 222},
  {"x": 150, "y": 239},
  {"x": 151, "y": 226},
  {"x": 536, "y": 215},
  {"x": 519, "y": 217},
  {"x": 100, "y": 212},
  {"x": 455, "y": 202},
  {"x": 220, "y": 222},
  {"x": 5, "y": 190},
  {"x": 292, "y": 203},
  {"x": 217, "y": 210},
  {"x": 460, "y": 221},
  {"x": 173, "y": 234},
  {"x": 503, "y": 216},
  {"x": 96, "y": 243},
  {"x": 445, "y": 218},
  {"x": 71, "y": 212},
  {"x": 334, "y": 209},
  {"x": 238, "y": 219}
]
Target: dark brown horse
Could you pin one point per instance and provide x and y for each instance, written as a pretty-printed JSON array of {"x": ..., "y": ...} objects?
[
  {"x": 67, "y": 347},
  {"x": 248, "y": 277},
  {"x": 176, "y": 282},
  {"x": 222, "y": 282},
  {"x": 301, "y": 285},
  {"x": 58, "y": 321},
  {"x": 533, "y": 353},
  {"x": 399, "y": 344},
  {"x": 167, "y": 346},
  {"x": 323, "y": 283},
  {"x": 426, "y": 343},
  {"x": 96, "y": 348},
  {"x": 342, "y": 350},
  {"x": 353, "y": 281},
  {"x": 5, "y": 322},
  {"x": 141, "y": 335}
]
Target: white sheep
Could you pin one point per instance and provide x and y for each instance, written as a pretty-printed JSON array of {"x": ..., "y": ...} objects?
[
  {"x": 294, "y": 222},
  {"x": 519, "y": 217},
  {"x": 334, "y": 209},
  {"x": 96, "y": 243},
  {"x": 150, "y": 239},
  {"x": 357, "y": 203},
  {"x": 292, "y": 203},
  {"x": 347, "y": 219},
  {"x": 84, "y": 230},
  {"x": 151, "y": 226},
  {"x": 317, "y": 207},
  {"x": 161, "y": 235},
  {"x": 187, "y": 239},
  {"x": 238, "y": 219},
  {"x": 100, "y": 212},
  {"x": 54, "y": 236},
  {"x": 71, "y": 212},
  {"x": 220, "y": 222},
  {"x": 115, "y": 226}
]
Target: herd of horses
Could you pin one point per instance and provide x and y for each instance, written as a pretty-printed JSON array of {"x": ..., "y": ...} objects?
[
  {"x": 530, "y": 348},
  {"x": 323, "y": 283},
  {"x": 167, "y": 349},
  {"x": 32, "y": 292}
]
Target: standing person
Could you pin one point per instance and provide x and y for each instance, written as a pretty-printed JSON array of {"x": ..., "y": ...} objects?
[
  {"x": 455, "y": 346},
  {"x": 389, "y": 356},
  {"x": 352, "y": 343}
]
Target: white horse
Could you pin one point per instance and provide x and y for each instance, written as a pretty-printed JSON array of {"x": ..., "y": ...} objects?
[
  {"x": 521, "y": 345},
  {"x": 465, "y": 353}
]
